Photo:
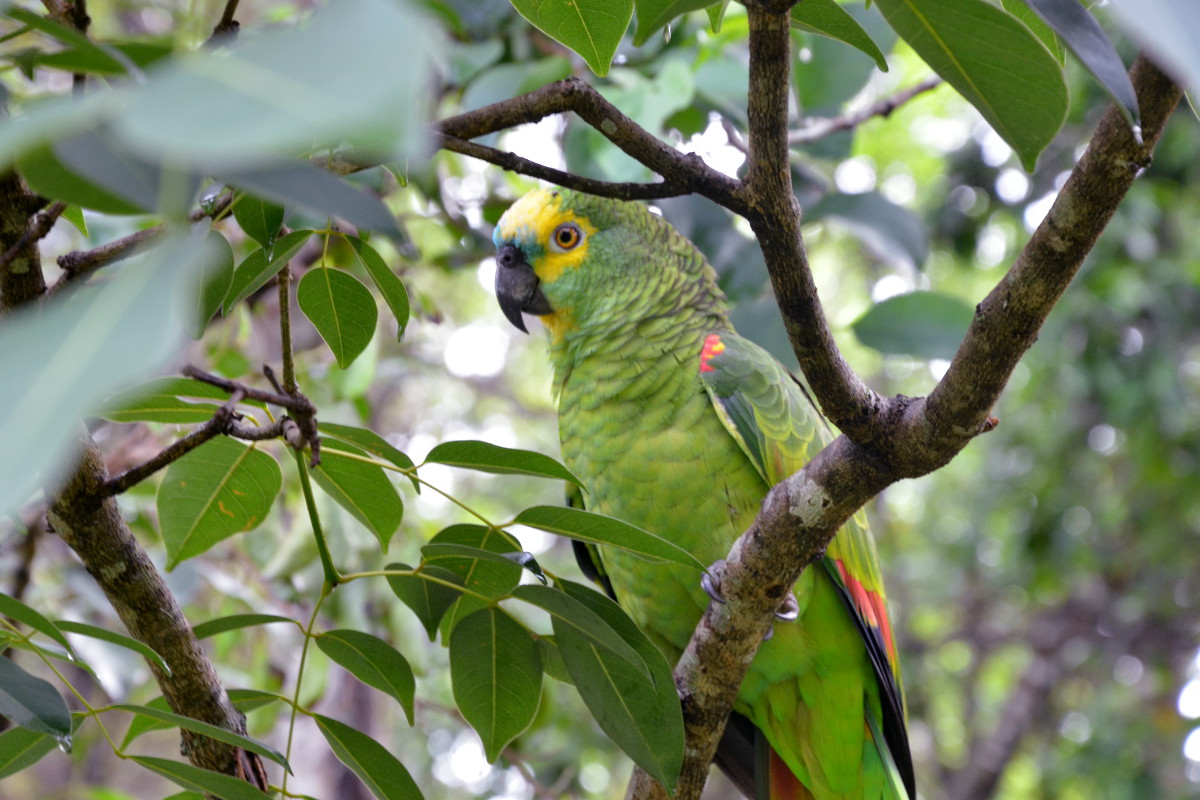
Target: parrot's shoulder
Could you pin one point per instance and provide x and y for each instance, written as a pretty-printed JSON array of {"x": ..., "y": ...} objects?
[{"x": 763, "y": 406}]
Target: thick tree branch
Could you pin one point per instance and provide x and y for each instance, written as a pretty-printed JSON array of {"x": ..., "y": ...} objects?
[
  {"x": 90, "y": 523},
  {"x": 774, "y": 216},
  {"x": 801, "y": 515}
]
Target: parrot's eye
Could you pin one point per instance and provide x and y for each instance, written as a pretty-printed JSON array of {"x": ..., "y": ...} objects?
[{"x": 567, "y": 236}]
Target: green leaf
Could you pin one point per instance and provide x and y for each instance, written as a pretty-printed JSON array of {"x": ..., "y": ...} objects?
[
  {"x": 374, "y": 662},
  {"x": 14, "y": 608},
  {"x": 892, "y": 233},
  {"x": 262, "y": 265},
  {"x": 568, "y": 613},
  {"x": 496, "y": 675},
  {"x": 205, "y": 729},
  {"x": 341, "y": 308},
  {"x": 428, "y": 600},
  {"x": 362, "y": 489},
  {"x": 21, "y": 748},
  {"x": 599, "y": 529},
  {"x": 655, "y": 14},
  {"x": 196, "y": 779},
  {"x": 642, "y": 716},
  {"x": 390, "y": 286},
  {"x": 312, "y": 189},
  {"x": 214, "y": 281},
  {"x": 373, "y": 443},
  {"x": 828, "y": 18},
  {"x": 74, "y": 215},
  {"x": 33, "y": 703},
  {"x": 592, "y": 28},
  {"x": 552, "y": 662},
  {"x": 486, "y": 457},
  {"x": 919, "y": 324},
  {"x": 477, "y": 554},
  {"x": 235, "y": 622},
  {"x": 161, "y": 400},
  {"x": 259, "y": 219},
  {"x": 83, "y": 629},
  {"x": 243, "y": 700},
  {"x": 219, "y": 489},
  {"x": 378, "y": 769},
  {"x": 1087, "y": 40},
  {"x": 993, "y": 61}
]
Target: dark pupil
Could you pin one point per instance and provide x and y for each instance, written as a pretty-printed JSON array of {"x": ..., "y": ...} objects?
[{"x": 566, "y": 237}]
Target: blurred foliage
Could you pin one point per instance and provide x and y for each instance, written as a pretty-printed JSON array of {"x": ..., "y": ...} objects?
[{"x": 1054, "y": 561}]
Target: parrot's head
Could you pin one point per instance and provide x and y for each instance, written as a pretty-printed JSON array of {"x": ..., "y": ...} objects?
[{"x": 584, "y": 263}]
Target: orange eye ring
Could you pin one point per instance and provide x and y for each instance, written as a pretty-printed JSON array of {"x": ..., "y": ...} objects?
[{"x": 567, "y": 236}]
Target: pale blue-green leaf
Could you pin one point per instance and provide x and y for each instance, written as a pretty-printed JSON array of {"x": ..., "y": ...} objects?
[
  {"x": 59, "y": 360},
  {"x": 1170, "y": 29},
  {"x": 269, "y": 95},
  {"x": 300, "y": 184},
  {"x": 1087, "y": 40}
]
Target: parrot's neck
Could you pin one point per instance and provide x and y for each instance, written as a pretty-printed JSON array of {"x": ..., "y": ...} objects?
[{"x": 635, "y": 359}]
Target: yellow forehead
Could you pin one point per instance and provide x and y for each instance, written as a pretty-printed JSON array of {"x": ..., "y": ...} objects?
[{"x": 536, "y": 215}]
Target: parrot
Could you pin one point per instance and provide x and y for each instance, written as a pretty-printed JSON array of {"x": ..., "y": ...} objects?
[{"x": 679, "y": 426}]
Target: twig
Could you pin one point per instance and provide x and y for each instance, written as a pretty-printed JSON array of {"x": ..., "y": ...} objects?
[
  {"x": 515, "y": 163},
  {"x": 572, "y": 94},
  {"x": 220, "y": 423},
  {"x": 227, "y": 27},
  {"x": 816, "y": 129},
  {"x": 298, "y": 404},
  {"x": 284, "y": 283},
  {"x": 81, "y": 263},
  {"x": 41, "y": 225}
]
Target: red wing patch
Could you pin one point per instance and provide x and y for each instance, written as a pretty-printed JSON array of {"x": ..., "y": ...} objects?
[
  {"x": 713, "y": 346},
  {"x": 870, "y": 606}
]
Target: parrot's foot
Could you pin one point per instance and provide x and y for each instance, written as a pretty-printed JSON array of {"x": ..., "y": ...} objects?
[{"x": 710, "y": 582}]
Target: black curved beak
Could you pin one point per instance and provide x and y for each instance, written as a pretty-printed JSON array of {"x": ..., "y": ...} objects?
[{"x": 517, "y": 287}]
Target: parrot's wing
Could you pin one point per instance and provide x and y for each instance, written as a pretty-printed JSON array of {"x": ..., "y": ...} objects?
[
  {"x": 769, "y": 414},
  {"x": 587, "y": 555}
]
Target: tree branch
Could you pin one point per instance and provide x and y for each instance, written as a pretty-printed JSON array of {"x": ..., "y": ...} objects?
[
  {"x": 683, "y": 170},
  {"x": 90, "y": 523}
]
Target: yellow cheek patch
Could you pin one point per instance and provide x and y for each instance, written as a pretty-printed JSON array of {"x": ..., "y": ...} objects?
[{"x": 536, "y": 216}]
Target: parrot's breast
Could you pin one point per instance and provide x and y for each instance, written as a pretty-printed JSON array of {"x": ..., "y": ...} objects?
[{"x": 653, "y": 452}]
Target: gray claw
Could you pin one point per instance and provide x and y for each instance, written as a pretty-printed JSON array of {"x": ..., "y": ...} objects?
[
  {"x": 710, "y": 581},
  {"x": 788, "y": 610}
]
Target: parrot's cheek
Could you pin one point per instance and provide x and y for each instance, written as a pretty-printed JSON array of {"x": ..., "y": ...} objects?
[{"x": 517, "y": 287}]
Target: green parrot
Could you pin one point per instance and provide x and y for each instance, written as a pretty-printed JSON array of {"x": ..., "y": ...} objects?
[{"x": 678, "y": 425}]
